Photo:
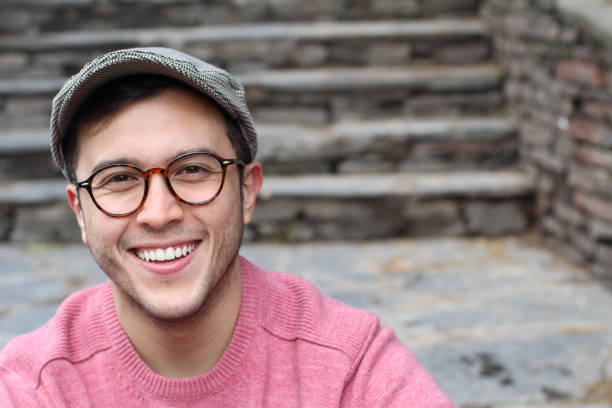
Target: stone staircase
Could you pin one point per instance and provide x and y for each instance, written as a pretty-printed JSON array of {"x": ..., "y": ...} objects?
[{"x": 377, "y": 120}]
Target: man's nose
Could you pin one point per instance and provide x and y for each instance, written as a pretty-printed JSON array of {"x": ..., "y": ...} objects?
[{"x": 160, "y": 207}]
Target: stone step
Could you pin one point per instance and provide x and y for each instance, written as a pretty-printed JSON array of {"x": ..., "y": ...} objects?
[
  {"x": 243, "y": 48},
  {"x": 20, "y": 16},
  {"x": 302, "y": 208},
  {"x": 315, "y": 97},
  {"x": 346, "y": 147}
]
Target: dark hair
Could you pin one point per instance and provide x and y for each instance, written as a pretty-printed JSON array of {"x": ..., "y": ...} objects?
[{"x": 115, "y": 95}]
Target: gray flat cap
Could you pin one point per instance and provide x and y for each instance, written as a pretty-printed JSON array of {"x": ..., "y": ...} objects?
[{"x": 202, "y": 76}]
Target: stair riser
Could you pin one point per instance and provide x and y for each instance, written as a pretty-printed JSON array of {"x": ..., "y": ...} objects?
[
  {"x": 297, "y": 219},
  {"x": 311, "y": 108},
  {"x": 43, "y": 15},
  {"x": 246, "y": 56},
  {"x": 378, "y": 158}
]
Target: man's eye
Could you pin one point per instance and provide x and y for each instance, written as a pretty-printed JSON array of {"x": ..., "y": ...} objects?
[
  {"x": 120, "y": 178},
  {"x": 194, "y": 170}
]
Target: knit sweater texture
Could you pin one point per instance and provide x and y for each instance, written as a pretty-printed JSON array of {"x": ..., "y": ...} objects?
[{"x": 291, "y": 347}]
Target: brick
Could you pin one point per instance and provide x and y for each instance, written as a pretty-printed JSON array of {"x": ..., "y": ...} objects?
[
  {"x": 365, "y": 166},
  {"x": 453, "y": 103},
  {"x": 603, "y": 252},
  {"x": 372, "y": 228},
  {"x": 598, "y": 110},
  {"x": 427, "y": 218},
  {"x": 583, "y": 72},
  {"x": 12, "y": 61},
  {"x": 590, "y": 131},
  {"x": 548, "y": 161},
  {"x": 545, "y": 183},
  {"x": 310, "y": 55},
  {"x": 565, "y": 146},
  {"x": 462, "y": 53},
  {"x": 592, "y": 155},
  {"x": 293, "y": 115},
  {"x": 275, "y": 210},
  {"x": 52, "y": 223},
  {"x": 406, "y": 8},
  {"x": 553, "y": 227},
  {"x": 449, "y": 6},
  {"x": 6, "y": 222},
  {"x": 589, "y": 179},
  {"x": 535, "y": 134},
  {"x": 594, "y": 205},
  {"x": 495, "y": 218},
  {"x": 544, "y": 203},
  {"x": 387, "y": 53},
  {"x": 599, "y": 229},
  {"x": 329, "y": 210},
  {"x": 569, "y": 214}
]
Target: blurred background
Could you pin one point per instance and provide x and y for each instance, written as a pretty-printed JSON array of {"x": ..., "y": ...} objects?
[{"x": 444, "y": 163}]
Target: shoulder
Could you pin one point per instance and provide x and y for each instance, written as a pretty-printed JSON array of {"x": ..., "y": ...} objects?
[
  {"x": 73, "y": 334},
  {"x": 295, "y": 309}
]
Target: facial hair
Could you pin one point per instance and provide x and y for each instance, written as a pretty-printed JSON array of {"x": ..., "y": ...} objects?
[{"x": 223, "y": 256}]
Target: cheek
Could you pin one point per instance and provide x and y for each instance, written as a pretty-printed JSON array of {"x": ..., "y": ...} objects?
[{"x": 103, "y": 230}]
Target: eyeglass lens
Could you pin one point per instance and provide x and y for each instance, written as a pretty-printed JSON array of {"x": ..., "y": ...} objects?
[{"x": 195, "y": 178}]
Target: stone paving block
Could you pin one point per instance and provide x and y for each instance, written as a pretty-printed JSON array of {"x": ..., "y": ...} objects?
[
  {"x": 26, "y": 319},
  {"x": 491, "y": 374},
  {"x": 31, "y": 290}
]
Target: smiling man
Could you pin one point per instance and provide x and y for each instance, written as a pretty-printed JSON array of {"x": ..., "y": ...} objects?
[{"x": 159, "y": 151}]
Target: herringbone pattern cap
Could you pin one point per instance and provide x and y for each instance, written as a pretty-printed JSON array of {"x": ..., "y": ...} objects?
[{"x": 212, "y": 81}]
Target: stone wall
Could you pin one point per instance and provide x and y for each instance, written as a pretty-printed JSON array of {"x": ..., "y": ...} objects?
[
  {"x": 559, "y": 87},
  {"x": 33, "y": 16}
]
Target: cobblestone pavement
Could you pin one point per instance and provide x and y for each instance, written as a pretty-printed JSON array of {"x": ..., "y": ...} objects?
[{"x": 499, "y": 323}]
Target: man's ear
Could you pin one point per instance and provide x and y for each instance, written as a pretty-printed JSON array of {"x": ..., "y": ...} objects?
[
  {"x": 75, "y": 204},
  {"x": 252, "y": 182}
]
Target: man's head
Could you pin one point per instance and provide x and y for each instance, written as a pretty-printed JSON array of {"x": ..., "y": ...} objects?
[
  {"x": 118, "y": 93},
  {"x": 172, "y": 254}
]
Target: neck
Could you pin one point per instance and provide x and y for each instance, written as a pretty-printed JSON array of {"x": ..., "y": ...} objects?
[{"x": 188, "y": 347}]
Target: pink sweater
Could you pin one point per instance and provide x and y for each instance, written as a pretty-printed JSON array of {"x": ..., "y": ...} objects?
[{"x": 292, "y": 347}]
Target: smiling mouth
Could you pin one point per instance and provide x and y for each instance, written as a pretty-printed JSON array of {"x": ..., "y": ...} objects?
[{"x": 166, "y": 254}]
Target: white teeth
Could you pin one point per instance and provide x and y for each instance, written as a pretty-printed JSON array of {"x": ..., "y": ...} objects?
[
  {"x": 169, "y": 254},
  {"x": 166, "y": 254}
]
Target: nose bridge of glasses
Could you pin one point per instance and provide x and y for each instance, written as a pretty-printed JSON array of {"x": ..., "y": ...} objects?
[
  {"x": 154, "y": 170},
  {"x": 164, "y": 174}
]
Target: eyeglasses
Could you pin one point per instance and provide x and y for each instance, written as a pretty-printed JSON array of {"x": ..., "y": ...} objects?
[{"x": 194, "y": 178}]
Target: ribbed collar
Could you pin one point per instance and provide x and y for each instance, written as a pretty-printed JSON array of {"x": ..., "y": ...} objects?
[{"x": 150, "y": 383}]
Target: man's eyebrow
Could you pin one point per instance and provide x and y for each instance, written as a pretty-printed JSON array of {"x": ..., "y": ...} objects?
[
  {"x": 136, "y": 162},
  {"x": 196, "y": 149},
  {"x": 120, "y": 160}
]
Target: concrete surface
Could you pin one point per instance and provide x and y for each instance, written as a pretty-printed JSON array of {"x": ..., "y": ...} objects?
[{"x": 499, "y": 323}]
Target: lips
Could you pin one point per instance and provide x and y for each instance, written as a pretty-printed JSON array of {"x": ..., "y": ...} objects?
[{"x": 166, "y": 259}]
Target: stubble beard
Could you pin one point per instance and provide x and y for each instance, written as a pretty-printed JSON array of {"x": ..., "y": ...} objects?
[{"x": 213, "y": 286}]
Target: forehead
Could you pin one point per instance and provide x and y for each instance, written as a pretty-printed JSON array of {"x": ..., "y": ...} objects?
[{"x": 152, "y": 131}]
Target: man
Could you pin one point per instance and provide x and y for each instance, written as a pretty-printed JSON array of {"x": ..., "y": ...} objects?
[{"x": 159, "y": 150}]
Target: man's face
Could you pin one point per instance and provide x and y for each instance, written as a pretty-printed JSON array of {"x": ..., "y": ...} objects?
[{"x": 147, "y": 134}]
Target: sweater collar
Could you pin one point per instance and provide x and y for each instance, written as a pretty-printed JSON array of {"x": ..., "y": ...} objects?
[{"x": 149, "y": 382}]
